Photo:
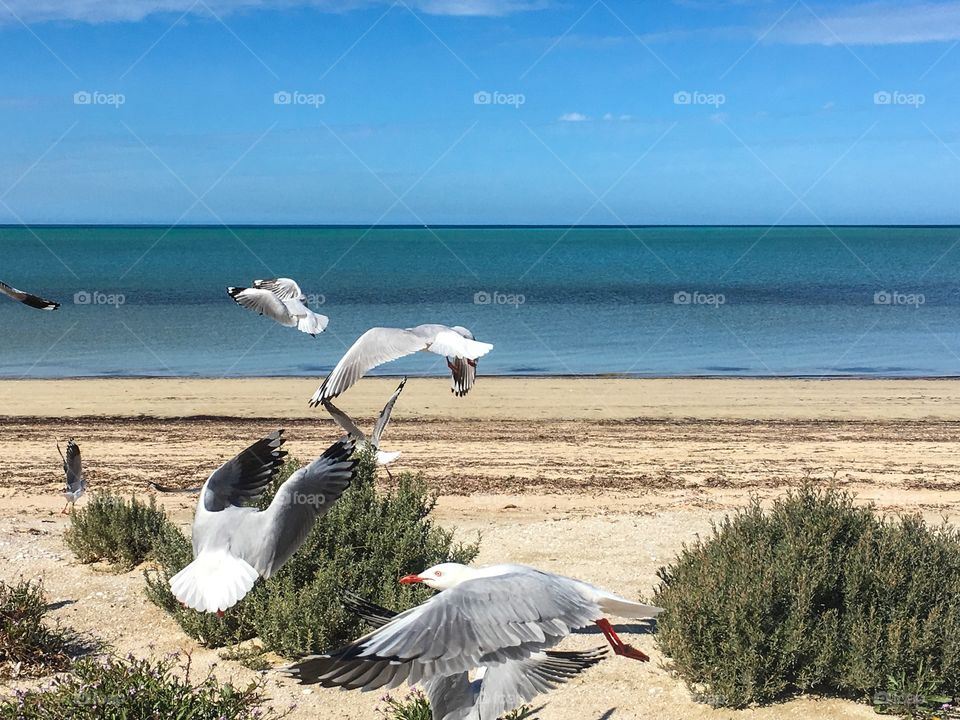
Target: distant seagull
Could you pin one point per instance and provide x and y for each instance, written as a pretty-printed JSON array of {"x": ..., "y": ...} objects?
[
  {"x": 233, "y": 544},
  {"x": 373, "y": 442},
  {"x": 493, "y": 617},
  {"x": 282, "y": 300},
  {"x": 497, "y": 689},
  {"x": 26, "y": 298},
  {"x": 380, "y": 344},
  {"x": 74, "y": 472}
]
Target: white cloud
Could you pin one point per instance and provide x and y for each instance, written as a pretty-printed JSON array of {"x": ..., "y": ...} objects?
[
  {"x": 573, "y": 117},
  {"x": 100, "y": 11},
  {"x": 875, "y": 23}
]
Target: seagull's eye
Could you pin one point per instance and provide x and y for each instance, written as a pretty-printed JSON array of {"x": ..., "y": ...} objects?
[{"x": 438, "y": 573}]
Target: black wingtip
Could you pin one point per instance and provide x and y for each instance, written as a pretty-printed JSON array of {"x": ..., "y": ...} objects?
[
  {"x": 342, "y": 449},
  {"x": 234, "y": 292}
]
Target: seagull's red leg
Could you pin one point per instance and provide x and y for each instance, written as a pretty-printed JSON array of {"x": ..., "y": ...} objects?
[
  {"x": 220, "y": 613},
  {"x": 620, "y": 647}
]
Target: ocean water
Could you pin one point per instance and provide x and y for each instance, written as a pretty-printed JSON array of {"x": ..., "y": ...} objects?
[{"x": 643, "y": 301}]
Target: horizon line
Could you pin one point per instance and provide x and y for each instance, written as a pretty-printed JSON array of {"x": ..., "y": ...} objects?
[{"x": 470, "y": 226}]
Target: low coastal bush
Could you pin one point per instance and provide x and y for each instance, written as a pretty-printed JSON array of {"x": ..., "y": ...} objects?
[
  {"x": 29, "y": 647},
  {"x": 135, "y": 689},
  {"x": 815, "y": 595},
  {"x": 115, "y": 530},
  {"x": 367, "y": 540}
]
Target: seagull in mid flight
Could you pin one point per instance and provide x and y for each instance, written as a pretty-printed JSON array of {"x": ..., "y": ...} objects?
[
  {"x": 234, "y": 544},
  {"x": 502, "y": 618},
  {"x": 380, "y": 344},
  {"x": 26, "y": 298},
  {"x": 373, "y": 442},
  {"x": 282, "y": 300},
  {"x": 74, "y": 472}
]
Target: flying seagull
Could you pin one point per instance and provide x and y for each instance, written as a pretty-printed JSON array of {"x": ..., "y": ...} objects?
[
  {"x": 373, "y": 442},
  {"x": 282, "y": 300},
  {"x": 497, "y": 689},
  {"x": 74, "y": 472},
  {"x": 380, "y": 344},
  {"x": 483, "y": 617},
  {"x": 234, "y": 544},
  {"x": 26, "y": 298}
]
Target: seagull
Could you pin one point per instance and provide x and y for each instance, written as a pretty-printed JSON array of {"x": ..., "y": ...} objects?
[
  {"x": 26, "y": 298},
  {"x": 380, "y": 344},
  {"x": 373, "y": 442},
  {"x": 74, "y": 471},
  {"x": 233, "y": 544},
  {"x": 282, "y": 300},
  {"x": 496, "y": 689},
  {"x": 493, "y": 617}
]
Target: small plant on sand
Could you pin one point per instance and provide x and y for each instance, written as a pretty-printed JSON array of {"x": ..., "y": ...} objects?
[
  {"x": 367, "y": 540},
  {"x": 136, "y": 689},
  {"x": 115, "y": 530},
  {"x": 29, "y": 647},
  {"x": 415, "y": 706},
  {"x": 815, "y": 595}
]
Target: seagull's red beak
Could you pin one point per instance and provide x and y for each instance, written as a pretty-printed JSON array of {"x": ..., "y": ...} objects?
[{"x": 411, "y": 580}]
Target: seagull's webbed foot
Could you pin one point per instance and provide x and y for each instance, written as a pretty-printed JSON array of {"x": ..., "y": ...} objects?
[{"x": 618, "y": 645}]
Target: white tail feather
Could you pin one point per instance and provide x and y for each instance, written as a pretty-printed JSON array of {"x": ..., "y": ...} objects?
[
  {"x": 385, "y": 458},
  {"x": 621, "y": 607},
  {"x": 214, "y": 581}
]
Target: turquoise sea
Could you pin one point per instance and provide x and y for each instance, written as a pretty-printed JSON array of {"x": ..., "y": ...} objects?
[{"x": 644, "y": 301}]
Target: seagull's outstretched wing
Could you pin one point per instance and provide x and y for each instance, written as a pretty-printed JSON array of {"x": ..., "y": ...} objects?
[
  {"x": 263, "y": 302},
  {"x": 480, "y": 622},
  {"x": 345, "y": 422},
  {"x": 26, "y": 298},
  {"x": 451, "y": 344},
  {"x": 384, "y": 418},
  {"x": 299, "y": 501},
  {"x": 72, "y": 467},
  {"x": 283, "y": 288},
  {"x": 375, "y": 347},
  {"x": 244, "y": 478},
  {"x": 463, "y": 374}
]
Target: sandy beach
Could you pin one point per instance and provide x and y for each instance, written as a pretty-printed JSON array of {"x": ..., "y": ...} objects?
[{"x": 603, "y": 479}]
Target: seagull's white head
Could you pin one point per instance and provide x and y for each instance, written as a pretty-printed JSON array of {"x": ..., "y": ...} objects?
[{"x": 441, "y": 577}]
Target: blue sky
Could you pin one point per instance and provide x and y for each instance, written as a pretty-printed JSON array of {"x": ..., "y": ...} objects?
[{"x": 479, "y": 111}]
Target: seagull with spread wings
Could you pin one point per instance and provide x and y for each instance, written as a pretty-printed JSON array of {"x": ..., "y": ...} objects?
[
  {"x": 347, "y": 424},
  {"x": 502, "y": 618},
  {"x": 381, "y": 344},
  {"x": 280, "y": 299},
  {"x": 34, "y": 301},
  {"x": 73, "y": 468},
  {"x": 233, "y": 543}
]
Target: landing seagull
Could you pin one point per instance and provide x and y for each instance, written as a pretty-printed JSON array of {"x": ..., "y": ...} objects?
[
  {"x": 26, "y": 298},
  {"x": 282, "y": 300},
  {"x": 380, "y": 344},
  {"x": 493, "y": 617},
  {"x": 495, "y": 690},
  {"x": 233, "y": 544},
  {"x": 373, "y": 442},
  {"x": 73, "y": 468}
]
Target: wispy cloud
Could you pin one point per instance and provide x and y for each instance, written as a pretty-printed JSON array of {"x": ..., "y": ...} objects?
[
  {"x": 875, "y": 23},
  {"x": 104, "y": 11},
  {"x": 573, "y": 117}
]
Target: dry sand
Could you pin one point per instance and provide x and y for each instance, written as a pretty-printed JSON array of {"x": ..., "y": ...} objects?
[{"x": 603, "y": 479}]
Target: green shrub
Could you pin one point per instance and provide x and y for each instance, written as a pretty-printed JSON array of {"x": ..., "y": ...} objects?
[
  {"x": 415, "y": 706},
  {"x": 814, "y": 595},
  {"x": 28, "y": 646},
  {"x": 134, "y": 689},
  {"x": 118, "y": 531},
  {"x": 367, "y": 541}
]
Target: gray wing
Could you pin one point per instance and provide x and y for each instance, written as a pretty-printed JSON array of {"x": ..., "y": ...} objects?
[
  {"x": 384, "y": 418},
  {"x": 463, "y": 374},
  {"x": 303, "y": 498},
  {"x": 375, "y": 347},
  {"x": 244, "y": 478},
  {"x": 263, "y": 302},
  {"x": 477, "y": 623},
  {"x": 26, "y": 298},
  {"x": 345, "y": 422},
  {"x": 283, "y": 288},
  {"x": 73, "y": 467}
]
